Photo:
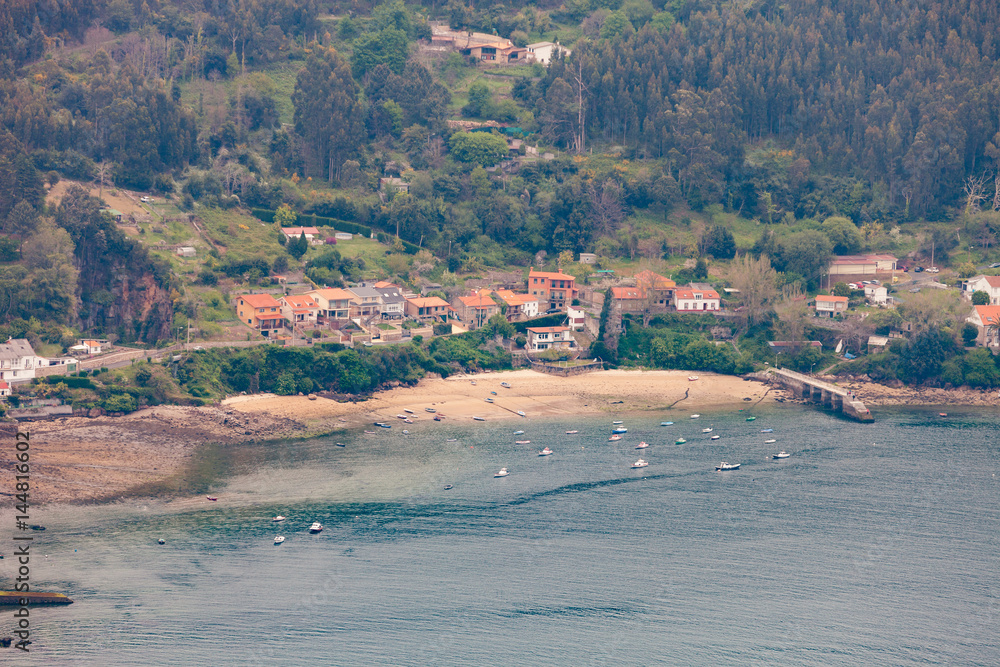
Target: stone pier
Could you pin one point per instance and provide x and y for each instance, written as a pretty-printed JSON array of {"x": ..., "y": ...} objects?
[{"x": 823, "y": 393}]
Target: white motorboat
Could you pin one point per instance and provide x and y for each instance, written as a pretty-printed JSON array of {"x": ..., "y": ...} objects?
[
  {"x": 722, "y": 467},
  {"x": 620, "y": 429},
  {"x": 518, "y": 432},
  {"x": 692, "y": 378},
  {"x": 640, "y": 464},
  {"x": 695, "y": 416},
  {"x": 642, "y": 445},
  {"x": 782, "y": 455},
  {"x": 489, "y": 400},
  {"x": 679, "y": 441},
  {"x": 522, "y": 442},
  {"x": 715, "y": 437},
  {"x": 401, "y": 417},
  {"x": 278, "y": 518},
  {"x": 617, "y": 423},
  {"x": 473, "y": 382},
  {"x": 505, "y": 384},
  {"x": 768, "y": 442},
  {"x": 316, "y": 527},
  {"x": 503, "y": 473},
  {"x": 545, "y": 452},
  {"x": 571, "y": 432},
  {"x": 521, "y": 412},
  {"x": 706, "y": 430},
  {"x": 666, "y": 423},
  {"x": 429, "y": 410},
  {"x": 480, "y": 419},
  {"x": 279, "y": 539},
  {"x": 767, "y": 430},
  {"x": 614, "y": 437},
  {"x": 408, "y": 410}
]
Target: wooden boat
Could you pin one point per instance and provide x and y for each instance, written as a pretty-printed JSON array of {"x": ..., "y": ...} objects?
[{"x": 14, "y": 598}]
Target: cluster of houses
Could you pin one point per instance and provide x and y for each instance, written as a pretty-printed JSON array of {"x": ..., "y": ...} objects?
[
  {"x": 491, "y": 49},
  {"x": 653, "y": 292}
]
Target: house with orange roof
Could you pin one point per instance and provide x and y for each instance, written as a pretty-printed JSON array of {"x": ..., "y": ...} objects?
[
  {"x": 334, "y": 305},
  {"x": 519, "y": 306},
  {"x": 829, "y": 306},
  {"x": 691, "y": 299},
  {"x": 657, "y": 290},
  {"x": 475, "y": 310},
  {"x": 299, "y": 309},
  {"x": 501, "y": 52},
  {"x": 428, "y": 308},
  {"x": 312, "y": 234},
  {"x": 4, "y": 388},
  {"x": 549, "y": 338},
  {"x": 987, "y": 320},
  {"x": 988, "y": 284},
  {"x": 261, "y": 312},
  {"x": 553, "y": 289}
]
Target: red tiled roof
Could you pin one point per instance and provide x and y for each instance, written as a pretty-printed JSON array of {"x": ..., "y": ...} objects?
[
  {"x": 550, "y": 275},
  {"x": 300, "y": 301},
  {"x": 626, "y": 293},
  {"x": 481, "y": 300},
  {"x": 332, "y": 294},
  {"x": 429, "y": 302},
  {"x": 688, "y": 293},
  {"x": 548, "y": 329},
  {"x": 260, "y": 300},
  {"x": 827, "y": 298},
  {"x": 988, "y": 314}
]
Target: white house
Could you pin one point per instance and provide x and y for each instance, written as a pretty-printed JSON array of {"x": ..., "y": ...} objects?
[
  {"x": 18, "y": 361},
  {"x": 299, "y": 309},
  {"x": 877, "y": 295},
  {"x": 690, "y": 300},
  {"x": 545, "y": 52},
  {"x": 828, "y": 306},
  {"x": 987, "y": 320},
  {"x": 988, "y": 284},
  {"x": 312, "y": 234},
  {"x": 393, "y": 301},
  {"x": 545, "y": 338},
  {"x": 576, "y": 318},
  {"x": 186, "y": 251}
]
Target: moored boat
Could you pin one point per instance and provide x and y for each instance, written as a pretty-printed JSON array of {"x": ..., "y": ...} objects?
[
  {"x": 480, "y": 419},
  {"x": 616, "y": 423},
  {"x": 767, "y": 430},
  {"x": 679, "y": 441},
  {"x": 279, "y": 539},
  {"x": 640, "y": 464},
  {"x": 212, "y": 498},
  {"x": 722, "y": 467},
  {"x": 706, "y": 430},
  {"x": 278, "y": 518},
  {"x": 768, "y": 442},
  {"x": 642, "y": 445},
  {"x": 316, "y": 527},
  {"x": 715, "y": 437},
  {"x": 666, "y": 423},
  {"x": 521, "y": 413},
  {"x": 518, "y": 432},
  {"x": 571, "y": 432},
  {"x": 695, "y": 416},
  {"x": 750, "y": 419},
  {"x": 503, "y": 473},
  {"x": 620, "y": 429},
  {"x": 522, "y": 442},
  {"x": 545, "y": 452},
  {"x": 614, "y": 437},
  {"x": 781, "y": 455}
]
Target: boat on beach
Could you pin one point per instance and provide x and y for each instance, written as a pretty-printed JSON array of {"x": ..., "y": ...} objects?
[
  {"x": 521, "y": 413},
  {"x": 545, "y": 452},
  {"x": 438, "y": 418},
  {"x": 408, "y": 410},
  {"x": 401, "y": 417},
  {"x": 429, "y": 410},
  {"x": 505, "y": 384},
  {"x": 370, "y": 432},
  {"x": 480, "y": 419},
  {"x": 692, "y": 378},
  {"x": 640, "y": 464},
  {"x": 503, "y": 473},
  {"x": 781, "y": 455},
  {"x": 382, "y": 425},
  {"x": 212, "y": 498},
  {"x": 722, "y": 467}
]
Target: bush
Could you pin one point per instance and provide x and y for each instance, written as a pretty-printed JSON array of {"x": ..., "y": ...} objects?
[
  {"x": 980, "y": 298},
  {"x": 119, "y": 403}
]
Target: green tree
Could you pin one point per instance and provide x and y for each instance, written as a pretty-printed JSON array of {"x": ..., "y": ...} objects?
[
  {"x": 970, "y": 332},
  {"x": 480, "y": 101},
  {"x": 981, "y": 369},
  {"x": 21, "y": 221},
  {"x": 615, "y": 25},
  {"x": 388, "y": 47},
  {"x": 297, "y": 247},
  {"x": 842, "y": 289},
  {"x": 843, "y": 234},
  {"x": 980, "y": 298},
  {"x": 285, "y": 216},
  {"x": 327, "y": 112},
  {"x": 718, "y": 242},
  {"x": 480, "y": 148}
]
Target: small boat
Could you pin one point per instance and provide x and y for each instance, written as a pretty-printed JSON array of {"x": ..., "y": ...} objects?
[
  {"x": 430, "y": 410},
  {"x": 503, "y": 473},
  {"x": 679, "y": 441},
  {"x": 781, "y": 455},
  {"x": 692, "y": 378},
  {"x": 706, "y": 430},
  {"x": 407, "y": 421},
  {"x": 617, "y": 423},
  {"x": 505, "y": 384},
  {"x": 279, "y": 539},
  {"x": 767, "y": 430},
  {"x": 521, "y": 412},
  {"x": 212, "y": 498},
  {"x": 666, "y": 423},
  {"x": 518, "y": 432},
  {"x": 401, "y": 417},
  {"x": 620, "y": 429},
  {"x": 489, "y": 400},
  {"x": 448, "y": 487},
  {"x": 437, "y": 418},
  {"x": 382, "y": 425},
  {"x": 473, "y": 381},
  {"x": 545, "y": 452},
  {"x": 768, "y": 442},
  {"x": 614, "y": 437},
  {"x": 370, "y": 432},
  {"x": 452, "y": 440},
  {"x": 642, "y": 445},
  {"x": 340, "y": 444},
  {"x": 522, "y": 442},
  {"x": 942, "y": 414},
  {"x": 715, "y": 437},
  {"x": 722, "y": 467},
  {"x": 494, "y": 393},
  {"x": 480, "y": 419},
  {"x": 343, "y": 419},
  {"x": 750, "y": 419},
  {"x": 571, "y": 432},
  {"x": 278, "y": 518},
  {"x": 695, "y": 416},
  {"x": 640, "y": 464},
  {"x": 316, "y": 527},
  {"x": 408, "y": 410},
  {"x": 405, "y": 432},
  {"x": 161, "y": 541}
]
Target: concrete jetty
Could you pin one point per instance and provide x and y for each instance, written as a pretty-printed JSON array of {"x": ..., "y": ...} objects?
[{"x": 824, "y": 393}]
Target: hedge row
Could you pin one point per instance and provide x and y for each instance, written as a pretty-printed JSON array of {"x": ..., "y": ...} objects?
[{"x": 313, "y": 220}]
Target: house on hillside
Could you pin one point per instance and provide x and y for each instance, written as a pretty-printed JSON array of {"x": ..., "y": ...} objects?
[
  {"x": 428, "y": 308},
  {"x": 554, "y": 290},
  {"x": 299, "y": 310},
  {"x": 877, "y": 295},
  {"x": 499, "y": 52},
  {"x": 657, "y": 290},
  {"x": 477, "y": 309},
  {"x": 829, "y": 306},
  {"x": 392, "y": 300},
  {"x": 519, "y": 306},
  {"x": 366, "y": 301},
  {"x": 334, "y": 305},
  {"x": 988, "y": 284},
  {"x": 261, "y": 312},
  {"x": 19, "y": 363},
  {"x": 546, "y": 52},
  {"x": 312, "y": 234},
  {"x": 627, "y": 299},
  {"x": 694, "y": 300},
  {"x": 550, "y": 338},
  {"x": 987, "y": 320}
]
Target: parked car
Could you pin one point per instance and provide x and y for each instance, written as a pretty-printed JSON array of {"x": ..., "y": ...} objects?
[
  {"x": 904, "y": 268},
  {"x": 995, "y": 265},
  {"x": 933, "y": 269},
  {"x": 875, "y": 282},
  {"x": 918, "y": 269},
  {"x": 866, "y": 282},
  {"x": 854, "y": 285}
]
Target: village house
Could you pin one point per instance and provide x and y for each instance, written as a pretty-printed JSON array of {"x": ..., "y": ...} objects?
[
  {"x": 554, "y": 290},
  {"x": 261, "y": 312},
  {"x": 877, "y": 295},
  {"x": 334, "y": 305},
  {"x": 690, "y": 300},
  {"x": 877, "y": 344},
  {"x": 576, "y": 318},
  {"x": 392, "y": 300},
  {"x": 390, "y": 184},
  {"x": 519, "y": 306},
  {"x": 988, "y": 284},
  {"x": 312, "y": 234},
  {"x": 90, "y": 346},
  {"x": 987, "y": 320},
  {"x": 367, "y": 300},
  {"x": 4, "y": 389},
  {"x": 829, "y": 306},
  {"x": 550, "y": 338},
  {"x": 299, "y": 310},
  {"x": 477, "y": 309},
  {"x": 862, "y": 265},
  {"x": 428, "y": 308},
  {"x": 628, "y": 299},
  {"x": 500, "y": 52},
  {"x": 546, "y": 52},
  {"x": 657, "y": 290},
  {"x": 19, "y": 363}
]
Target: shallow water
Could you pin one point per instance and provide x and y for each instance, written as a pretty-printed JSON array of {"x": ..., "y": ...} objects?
[{"x": 872, "y": 544}]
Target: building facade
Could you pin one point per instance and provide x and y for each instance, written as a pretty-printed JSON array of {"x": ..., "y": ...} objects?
[
  {"x": 261, "y": 312},
  {"x": 554, "y": 290}
]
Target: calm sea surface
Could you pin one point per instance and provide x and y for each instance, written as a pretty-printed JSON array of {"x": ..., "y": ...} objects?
[{"x": 871, "y": 545}]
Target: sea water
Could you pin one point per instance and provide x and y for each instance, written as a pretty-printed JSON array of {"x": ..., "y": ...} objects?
[{"x": 871, "y": 544}]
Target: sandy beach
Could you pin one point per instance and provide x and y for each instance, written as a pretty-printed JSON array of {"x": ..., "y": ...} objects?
[{"x": 80, "y": 459}]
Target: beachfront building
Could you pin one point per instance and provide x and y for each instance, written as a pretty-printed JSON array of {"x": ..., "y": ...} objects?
[
  {"x": 334, "y": 305},
  {"x": 518, "y": 306},
  {"x": 477, "y": 309},
  {"x": 657, "y": 290},
  {"x": 550, "y": 338},
  {"x": 299, "y": 310},
  {"x": 988, "y": 284},
  {"x": 261, "y": 312},
  {"x": 366, "y": 301},
  {"x": 691, "y": 300},
  {"x": 19, "y": 363},
  {"x": 829, "y": 306},
  {"x": 428, "y": 308},
  {"x": 554, "y": 290},
  {"x": 987, "y": 320}
]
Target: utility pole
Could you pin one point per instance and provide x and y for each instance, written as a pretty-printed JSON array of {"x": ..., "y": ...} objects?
[{"x": 579, "y": 101}]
